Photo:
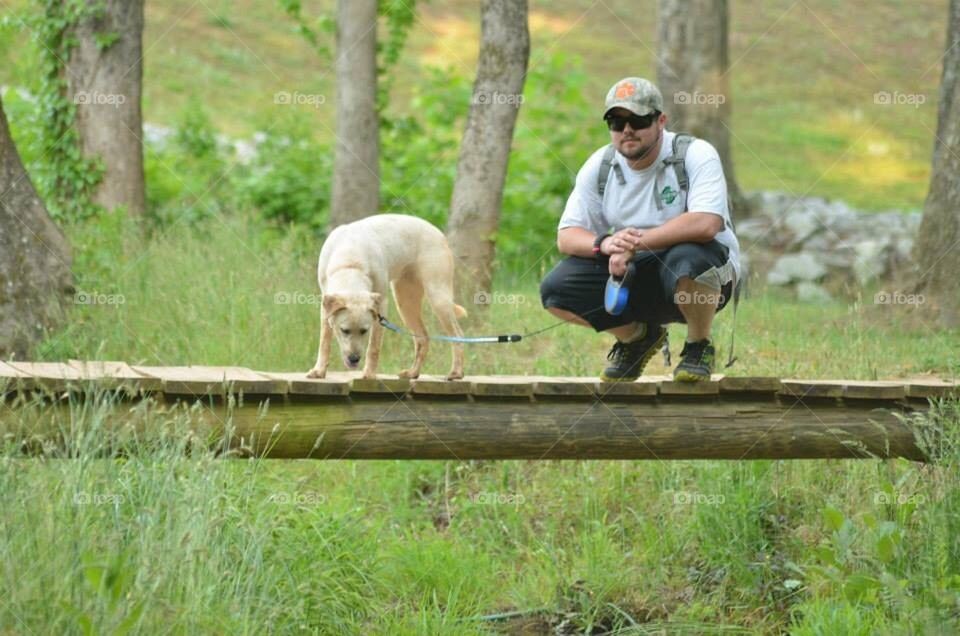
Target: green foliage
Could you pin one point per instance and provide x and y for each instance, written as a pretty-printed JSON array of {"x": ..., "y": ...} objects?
[
  {"x": 186, "y": 176},
  {"x": 289, "y": 178},
  {"x": 315, "y": 32},
  {"x": 64, "y": 178},
  {"x": 396, "y": 15}
]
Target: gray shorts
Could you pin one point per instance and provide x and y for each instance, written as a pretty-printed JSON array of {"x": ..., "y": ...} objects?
[{"x": 577, "y": 284}]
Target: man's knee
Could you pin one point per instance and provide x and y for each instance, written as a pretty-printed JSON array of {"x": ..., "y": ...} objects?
[{"x": 550, "y": 286}]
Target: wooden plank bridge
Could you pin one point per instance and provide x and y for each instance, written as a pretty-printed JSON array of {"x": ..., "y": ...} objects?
[{"x": 514, "y": 417}]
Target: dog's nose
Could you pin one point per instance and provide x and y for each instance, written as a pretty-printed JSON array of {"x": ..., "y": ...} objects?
[{"x": 353, "y": 358}]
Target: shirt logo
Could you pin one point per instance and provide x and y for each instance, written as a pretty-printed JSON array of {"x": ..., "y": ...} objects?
[{"x": 669, "y": 195}]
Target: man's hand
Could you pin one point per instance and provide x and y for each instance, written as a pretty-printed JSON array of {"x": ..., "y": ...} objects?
[
  {"x": 626, "y": 240},
  {"x": 618, "y": 263}
]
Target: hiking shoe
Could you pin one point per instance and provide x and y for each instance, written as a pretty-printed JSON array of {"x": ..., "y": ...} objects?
[
  {"x": 629, "y": 358},
  {"x": 696, "y": 362}
]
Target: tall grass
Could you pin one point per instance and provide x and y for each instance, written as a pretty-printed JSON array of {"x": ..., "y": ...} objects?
[{"x": 167, "y": 538}]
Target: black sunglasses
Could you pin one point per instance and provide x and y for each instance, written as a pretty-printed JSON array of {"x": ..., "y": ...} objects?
[{"x": 616, "y": 123}]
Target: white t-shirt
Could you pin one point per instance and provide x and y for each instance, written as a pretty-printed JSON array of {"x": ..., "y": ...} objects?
[{"x": 633, "y": 204}]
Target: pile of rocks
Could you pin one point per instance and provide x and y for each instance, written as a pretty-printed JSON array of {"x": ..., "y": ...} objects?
[{"x": 815, "y": 245}]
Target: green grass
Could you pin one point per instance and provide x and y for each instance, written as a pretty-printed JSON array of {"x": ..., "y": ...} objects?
[
  {"x": 168, "y": 540},
  {"x": 176, "y": 542},
  {"x": 229, "y": 291}
]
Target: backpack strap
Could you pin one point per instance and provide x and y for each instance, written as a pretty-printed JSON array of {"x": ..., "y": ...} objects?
[
  {"x": 681, "y": 142},
  {"x": 605, "y": 164}
]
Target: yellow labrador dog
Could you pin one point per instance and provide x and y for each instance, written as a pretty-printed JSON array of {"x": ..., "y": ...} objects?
[{"x": 358, "y": 262}]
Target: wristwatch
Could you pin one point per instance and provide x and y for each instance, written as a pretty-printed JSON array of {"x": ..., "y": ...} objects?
[{"x": 597, "y": 242}]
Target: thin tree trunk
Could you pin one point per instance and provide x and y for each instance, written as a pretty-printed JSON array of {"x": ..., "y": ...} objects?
[
  {"x": 104, "y": 78},
  {"x": 35, "y": 278},
  {"x": 485, "y": 149},
  {"x": 356, "y": 173},
  {"x": 692, "y": 62},
  {"x": 937, "y": 249}
]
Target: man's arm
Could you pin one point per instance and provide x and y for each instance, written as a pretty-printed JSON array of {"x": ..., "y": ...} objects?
[
  {"x": 689, "y": 227},
  {"x": 575, "y": 241}
]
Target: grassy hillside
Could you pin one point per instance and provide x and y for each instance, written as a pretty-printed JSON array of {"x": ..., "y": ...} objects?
[{"x": 804, "y": 76}]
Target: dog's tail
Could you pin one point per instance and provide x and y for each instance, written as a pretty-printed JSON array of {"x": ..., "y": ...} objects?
[{"x": 459, "y": 311}]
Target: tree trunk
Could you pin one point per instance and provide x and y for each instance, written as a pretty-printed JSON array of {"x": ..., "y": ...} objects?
[
  {"x": 692, "y": 62},
  {"x": 104, "y": 76},
  {"x": 485, "y": 149},
  {"x": 937, "y": 249},
  {"x": 35, "y": 278},
  {"x": 356, "y": 173}
]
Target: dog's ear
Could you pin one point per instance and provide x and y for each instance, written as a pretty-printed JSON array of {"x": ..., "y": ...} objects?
[{"x": 332, "y": 304}]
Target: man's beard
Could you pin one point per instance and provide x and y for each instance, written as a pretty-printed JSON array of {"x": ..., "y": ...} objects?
[{"x": 641, "y": 150}]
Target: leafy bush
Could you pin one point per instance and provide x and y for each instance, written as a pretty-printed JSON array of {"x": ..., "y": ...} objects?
[{"x": 290, "y": 177}]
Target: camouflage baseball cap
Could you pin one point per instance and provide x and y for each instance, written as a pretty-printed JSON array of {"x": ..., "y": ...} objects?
[{"x": 636, "y": 94}]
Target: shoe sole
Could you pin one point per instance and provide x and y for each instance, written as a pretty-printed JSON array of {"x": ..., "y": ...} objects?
[
  {"x": 689, "y": 376},
  {"x": 643, "y": 363}
]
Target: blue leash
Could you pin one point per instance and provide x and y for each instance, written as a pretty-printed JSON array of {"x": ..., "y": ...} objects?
[{"x": 465, "y": 339}]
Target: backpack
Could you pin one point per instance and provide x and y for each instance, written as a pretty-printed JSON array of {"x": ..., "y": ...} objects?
[{"x": 681, "y": 142}]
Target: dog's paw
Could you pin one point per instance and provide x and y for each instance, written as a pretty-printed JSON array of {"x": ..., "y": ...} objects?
[
  {"x": 369, "y": 375},
  {"x": 455, "y": 375},
  {"x": 409, "y": 374},
  {"x": 317, "y": 373}
]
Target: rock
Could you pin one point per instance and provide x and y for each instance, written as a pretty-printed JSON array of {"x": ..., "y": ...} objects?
[
  {"x": 752, "y": 230},
  {"x": 808, "y": 292},
  {"x": 904, "y": 247},
  {"x": 802, "y": 224},
  {"x": 870, "y": 261},
  {"x": 791, "y": 267}
]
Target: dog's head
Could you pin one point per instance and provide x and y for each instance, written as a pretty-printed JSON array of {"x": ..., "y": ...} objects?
[{"x": 351, "y": 316}]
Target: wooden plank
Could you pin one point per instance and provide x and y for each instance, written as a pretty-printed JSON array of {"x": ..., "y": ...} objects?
[
  {"x": 51, "y": 376},
  {"x": 114, "y": 374},
  {"x": 671, "y": 387},
  {"x": 646, "y": 386},
  {"x": 812, "y": 388},
  {"x": 563, "y": 387},
  {"x": 438, "y": 385},
  {"x": 384, "y": 385},
  {"x": 749, "y": 384},
  {"x": 297, "y": 383},
  {"x": 12, "y": 373},
  {"x": 11, "y": 378},
  {"x": 881, "y": 390},
  {"x": 932, "y": 389},
  {"x": 500, "y": 386},
  {"x": 199, "y": 381}
]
